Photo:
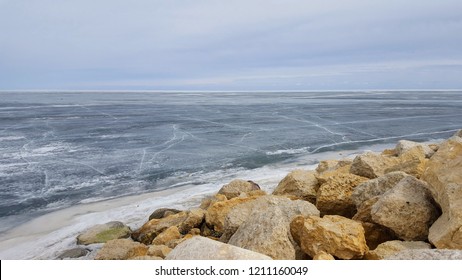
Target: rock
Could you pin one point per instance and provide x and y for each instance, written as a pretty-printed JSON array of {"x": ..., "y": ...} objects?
[
  {"x": 206, "y": 202},
  {"x": 216, "y": 213},
  {"x": 389, "y": 248},
  {"x": 73, "y": 253},
  {"x": 427, "y": 254},
  {"x": 173, "y": 243},
  {"x": 299, "y": 183},
  {"x": 404, "y": 146},
  {"x": 146, "y": 258},
  {"x": 332, "y": 165},
  {"x": 162, "y": 213},
  {"x": 323, "y": 256},
  {"x": 372, "y": 165},
  {"x": 167, "y": 235},
  {"x": 194, "y": 219},
  {"x": 335, "y": 235},
  {"x": 201, "y": 248},
  {"x": 412, "y": 162},
  {"x": 121, "y": 249},
  {"x": 364, "y": 211},
  {"x": 334, "y": 196},
  {"x": 103, "y": 233},
  {"x": 407, "y": 209},
  {"x": 158, "y": 251},
  {"x": 184, "y": 221},
  {"x": 376, "y": 234},
  {"x": 236, "y": 187},
  {"x": 267, "y": 227},
  {"x": 444, "y": 175},
  {"x": 376, "y": 187},
  {"x": 195, "y": 231}
]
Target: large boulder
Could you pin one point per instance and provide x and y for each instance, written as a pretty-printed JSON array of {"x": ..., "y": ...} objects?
[
  {"x": 217, "y": 212},
  {"x": 376, "y": 187},
  {"x": 162, "y": 213},
  {"x": 372, "y": 165},
  {"x": 334, "y": 195},
  {"x": 332, "y": 165},
  {"x": 166, "y": 236},
  {"x": 404, "y": 146},
  {"x": 335, "y": 235},
  {"x": 184, "y": 221},
  {"x": 444, "y": 175},
  {"x": 299, "y": 183},
  {"x": 266, "y": 227},
  {"x": 389, "y": 248},
  {"x": 412, "y": 162},
  {"x": 427, "y": 254},
  {"x": 103, "y": 233},
  {"x": 121, "y": 249},
  {"x": 407, "y": 209},
  {"x": 202, "y": 248},
  {"x": 236, "y": 187}
]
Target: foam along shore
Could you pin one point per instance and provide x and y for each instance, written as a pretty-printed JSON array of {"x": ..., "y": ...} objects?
[{"x": 402, "y": 203}]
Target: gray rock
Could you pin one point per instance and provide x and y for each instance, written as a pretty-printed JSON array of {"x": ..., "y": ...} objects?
[
  {"x": 73, "y": 253},
  {"x": 162, "y": 213},
  {"x": 427, "y": 254},
  {"x": 103, "y": 233},
  {"x": 202, "y": 248},
  {"x": 404, "y": 145}
]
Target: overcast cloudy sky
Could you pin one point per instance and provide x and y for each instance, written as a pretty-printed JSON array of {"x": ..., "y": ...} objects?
[{"x": 230, "y": 45}]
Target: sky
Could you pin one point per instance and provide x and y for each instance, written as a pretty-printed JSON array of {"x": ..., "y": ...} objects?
[{"x": 230, "y": 45}]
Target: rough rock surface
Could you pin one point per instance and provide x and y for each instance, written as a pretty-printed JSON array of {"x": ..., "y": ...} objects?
[
  {"x": 405, "y": 145},
  {"x": 202, "y": 248},
  {"x": 323, "y": 256},
  {"x": 217, "y": 212},
  {"x": 334, "y": 196},
  {"x": 162, "y": 213},
  {"x": 407, "y": 209},
  {"x": 444, "y": 175},
  {"x": 412, "y": 162},
  {"x": 121, "y": 249},
  {"x": 376, "y": 187},
  {"x": 335, "y": 235},
  {"x": 236, "y": 187},
  {"x": 331, "y": 165},
  {"x": 299, "y": 183},
  {"x": 427, "y": 254},
  {"x": 154, "y": 227},
  {"x": 167, "y": 235},
  {"x": 194, "y": 219},
  {"x": 239, "y": 214},
  {"x": 389, "y": 248},
  {"x": 103, "y": 233},
  {"x": 267, "y": 229},
  {"x": 376, "y": 234},
  {"x": 158, "y": 251},
  {"x": 73, "y": 253},
  {"x": 372, "y": 165}
]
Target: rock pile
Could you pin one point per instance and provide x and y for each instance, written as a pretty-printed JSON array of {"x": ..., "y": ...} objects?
[{"x": 404, "y": 203}]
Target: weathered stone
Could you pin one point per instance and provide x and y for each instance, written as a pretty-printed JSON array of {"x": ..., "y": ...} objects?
[
  {"x": 332, "y": 165},
  {"x": 208, "y": 201},
  {"x": 404, "y": 146},
  {"x": 299, "y": 183},
  {"x": 158, "y": 251},
  {"x": 173, "y": 243},
  {"x": 334, "y": 196},
  {"x": 237, "y": 187},
  {"x": 201, "y": 248},
  {"x": 444, "y": 175},
  {"x": 376, "y": 187},
  {"x": 103, "y": 233},
  {"x": 194, "y": 219},
  {"x": 323, "y": 256},
  {"x": 239, "y": 214},
  {"x": 73, "y": 253},
  {"x": 335, "y": 235},
  {"x": 154, "y": 227},
  {"x": 167, "y": 235},
  {"x": 427, "y": 254},
  {"x": 195, "y": 231},
  {"x": 216, "y": 213},
  {"x": 267, "y": 227},
  {"x": 162, "y": 213},
  {"x": 121, "y": 249},
  {"x": 389, "y": 248},
  {"x": 372, "y": 165},
  {"x": 376, "y": 234},
  {"x": 412, "y": 162},
  {"x": 364, "y": 211},
  {"x": 407, "y": 209}
]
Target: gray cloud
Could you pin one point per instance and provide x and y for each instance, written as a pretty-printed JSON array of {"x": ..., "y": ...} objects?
[{"x": 208, "y": 44}]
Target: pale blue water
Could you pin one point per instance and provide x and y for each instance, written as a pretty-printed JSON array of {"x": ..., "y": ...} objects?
[{"x": 65, "y": 148}]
